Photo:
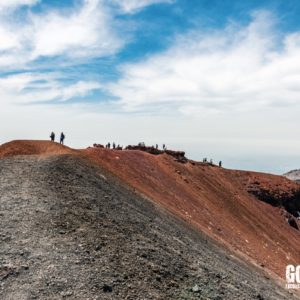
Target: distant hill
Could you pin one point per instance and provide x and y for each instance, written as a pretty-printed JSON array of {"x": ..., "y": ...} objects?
[{"x": 293, "y": 175}]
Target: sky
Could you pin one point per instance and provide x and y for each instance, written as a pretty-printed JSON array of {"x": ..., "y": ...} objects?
[{"x": 215, "y": 78}]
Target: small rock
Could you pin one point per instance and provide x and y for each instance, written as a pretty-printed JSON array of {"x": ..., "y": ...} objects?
[
  {"x": 107, "y": 288},
  {"x": 196, "y": 288},
  {"x": 66, "y": 293},
  {"x": 103, "y": 177},
  {"x": 25, "y": 267}
]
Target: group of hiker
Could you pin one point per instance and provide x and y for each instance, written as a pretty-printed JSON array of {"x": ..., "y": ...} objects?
[
  {"x": 113, "y": 146},
  {"x": 61, "y": 140},
  {"x": 164, "y": 147},
  {"x": 118, "y": 147},
  {"x": 156, "y": 146},
  {"x": 205, "y": 160}
]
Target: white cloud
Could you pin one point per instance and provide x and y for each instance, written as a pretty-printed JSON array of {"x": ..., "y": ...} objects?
[
  {"x": 8, "y": 40},
  {"x": 237, "y": 68},
  {"x": 79, "y": 89},
  {"x": 29, "y": 88},
  {"x": 84, "y": 31},
  {"x": 131, "y": 6}
]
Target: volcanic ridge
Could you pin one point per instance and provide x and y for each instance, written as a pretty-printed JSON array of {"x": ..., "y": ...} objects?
[{"x": 102, "y": 223}]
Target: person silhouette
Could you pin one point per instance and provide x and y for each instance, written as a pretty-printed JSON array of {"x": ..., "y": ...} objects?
[
  {"x": 62, "y": 138},
  {"x": 52, "y": 136}
]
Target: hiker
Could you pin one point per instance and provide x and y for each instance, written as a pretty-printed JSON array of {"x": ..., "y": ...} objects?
[
  {"x": 164, "y": 147},
  {"x": 156, "y": 146},
  {"x": 114, "y": 145},
  {"x": 108, "y": 145},
  {"x": 220, "y": 164},
  {"x": 62, "y": 137},
  {"x": 52, "y": 136}
]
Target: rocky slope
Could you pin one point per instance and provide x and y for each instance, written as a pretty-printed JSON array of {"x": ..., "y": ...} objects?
[
  {"x": 69, "y": 230},
  {"x": 75, "y": 223}
]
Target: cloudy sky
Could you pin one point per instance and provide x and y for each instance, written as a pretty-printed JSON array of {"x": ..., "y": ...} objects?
[{"x": 216, "y": 78}]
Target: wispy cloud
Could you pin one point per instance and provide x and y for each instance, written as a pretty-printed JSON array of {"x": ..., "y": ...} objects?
[
  {"x": 236, "y": 68},
  {"x": 31, "y": 43},
  {"x": 32, "y": 88},
  {"x": 35, "y": 40},
  {"x": 132, "y": 6},
  {"x": 84, "y": 32}
]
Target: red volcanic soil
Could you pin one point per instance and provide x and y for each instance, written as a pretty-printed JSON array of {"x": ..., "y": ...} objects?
[
  {"x": 216, "y": 201},
  {"x": 28, "y": 147}
]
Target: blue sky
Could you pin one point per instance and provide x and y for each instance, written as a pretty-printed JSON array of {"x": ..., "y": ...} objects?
[{"x": 217, "y": 78}]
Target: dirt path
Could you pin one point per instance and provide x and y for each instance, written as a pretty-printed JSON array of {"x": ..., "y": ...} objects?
[{"x": 69, "y": 230}]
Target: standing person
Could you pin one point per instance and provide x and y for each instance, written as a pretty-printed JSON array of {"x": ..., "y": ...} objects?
[
  {"x": 52, "y": 136},
  {"x": 62, "y": 138}
]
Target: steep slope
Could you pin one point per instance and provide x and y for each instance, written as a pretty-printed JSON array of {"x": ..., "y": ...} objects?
[
  {"x": 250, "y": 213},
  {"x": 71, "y": 230},
  {"x": 222, "y": 203}
]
